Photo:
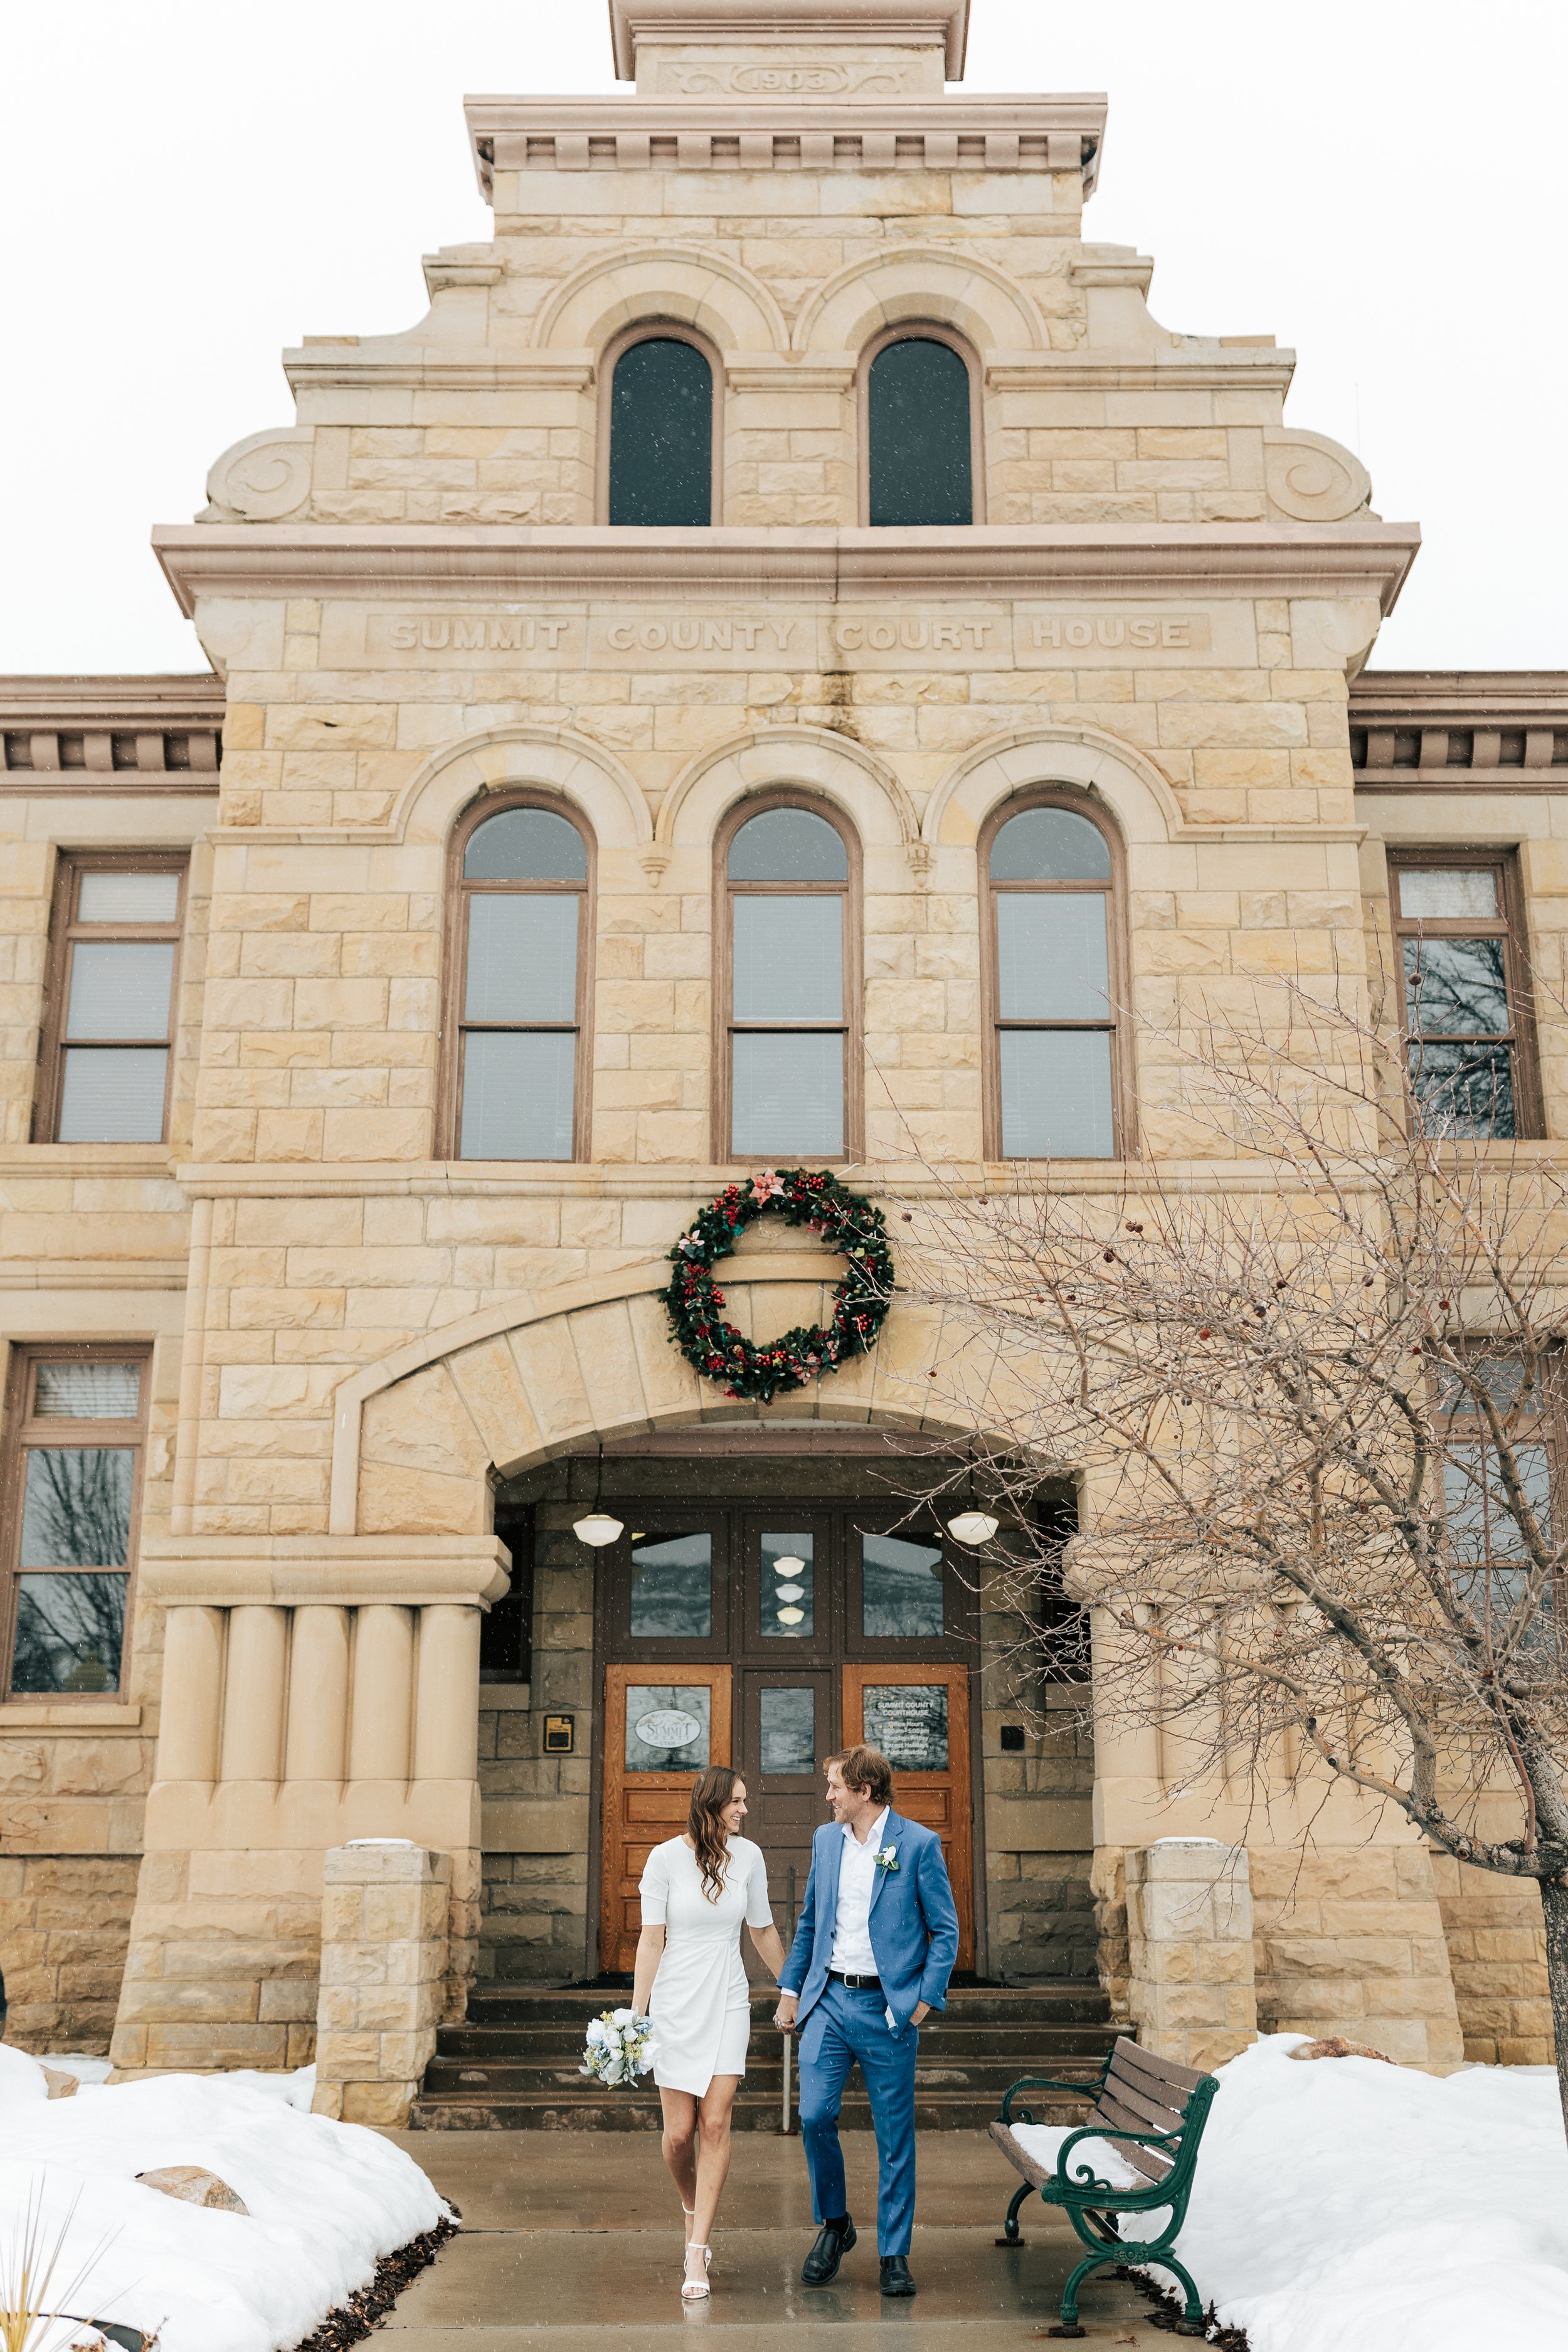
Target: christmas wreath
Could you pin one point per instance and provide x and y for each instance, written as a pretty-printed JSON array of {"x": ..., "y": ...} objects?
[{"x": 848, "y": 1224}]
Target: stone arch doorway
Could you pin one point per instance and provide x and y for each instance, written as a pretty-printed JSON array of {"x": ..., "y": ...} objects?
[{"x": 529, "y": 1419}]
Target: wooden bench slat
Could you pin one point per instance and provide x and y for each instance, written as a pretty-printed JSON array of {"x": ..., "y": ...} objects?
[
  {"x": 1112, "y": 2120},
  {"x": 1148, "y": 2161},
  {"x": 1018, "y": 2155},
  {"x": 1160, "y": 2159},
  {"x": 1167, "y": 2071},
  {"x": 1129, "y": 2093}
]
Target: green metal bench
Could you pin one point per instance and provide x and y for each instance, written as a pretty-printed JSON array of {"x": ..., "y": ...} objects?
[{"x": 1152, "y": 2111}]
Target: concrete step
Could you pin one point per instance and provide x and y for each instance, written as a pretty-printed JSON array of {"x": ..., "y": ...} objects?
[
  {"x": 1065, "y": 2003},
  {"x": 996, "y": 2040},
  {"x": 638, "y": 2111},
  {"x": 513, "y": 2064},
  {"x": 447, "y": 2077}
]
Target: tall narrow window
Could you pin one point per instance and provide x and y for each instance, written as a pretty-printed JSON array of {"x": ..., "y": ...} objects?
[
  {"x": 109, "y": 1030},
  {"x": 661, "y": 434},
  {"x": 1053, "y": 1014},
  {"x": 1490, "y": 1500},
  {"x": 72, "y": 1480},
  {"x": 1461, "y": 967},
  {"x": 522, "y": 946},
  {"x": 920, "y": 434},
  {"x": 788, "y": 1036}
]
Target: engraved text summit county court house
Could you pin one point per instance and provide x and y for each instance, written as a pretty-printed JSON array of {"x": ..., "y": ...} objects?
[{"x": 760, "y": 673}]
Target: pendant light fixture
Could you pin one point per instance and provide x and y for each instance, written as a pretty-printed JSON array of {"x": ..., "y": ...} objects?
[
  {"x": 597, "y": 1527},
  {"x": 971, "y": 1526}
]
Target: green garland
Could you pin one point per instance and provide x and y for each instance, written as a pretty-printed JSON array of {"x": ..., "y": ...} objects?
[{"x": 849, "y": 1225}]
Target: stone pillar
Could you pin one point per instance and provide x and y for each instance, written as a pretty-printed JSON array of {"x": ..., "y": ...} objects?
[
  {"x": 383, "y": 1957},
  {"x": 1189, "y": 1919},
  {"x": 252, "y": 1747}
]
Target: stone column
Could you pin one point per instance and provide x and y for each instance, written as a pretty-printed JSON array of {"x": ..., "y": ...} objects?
[
  {"x": 1189, "y": 1919},
  {"x": 318, "y": 1696},
  {"x": 383, "y": 1956},
  {"x": 384, "y": 1694},
  {"x": 193, "y": 1695},
  {"x": 252, "y": 1747}
]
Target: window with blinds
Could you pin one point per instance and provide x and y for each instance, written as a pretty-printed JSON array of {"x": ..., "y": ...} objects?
[
  {"x": 76, "y": 1423},
  {"x": 1053, "y": 1018},
  {"x": 108, "y": 1034},
  {"x": 521, "y": 954},
  {"x": 791, "y": 1015}
]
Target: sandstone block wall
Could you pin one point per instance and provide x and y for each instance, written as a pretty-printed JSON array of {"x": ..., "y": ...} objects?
[
  {"x": 1351, "y": 1941},
  {"x": 1496, "y": 1950}
]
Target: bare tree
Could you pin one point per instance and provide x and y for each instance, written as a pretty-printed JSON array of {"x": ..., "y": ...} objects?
[{"x": 1310, "y": 1385}]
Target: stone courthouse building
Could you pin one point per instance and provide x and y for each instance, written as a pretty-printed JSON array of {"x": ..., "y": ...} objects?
[{"x": 760, "y": 673}]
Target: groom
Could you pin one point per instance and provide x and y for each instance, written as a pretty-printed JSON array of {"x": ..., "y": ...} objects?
[{"x": 876, "y": 1944}]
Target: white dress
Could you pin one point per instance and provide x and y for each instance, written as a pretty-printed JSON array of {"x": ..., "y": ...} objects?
[{"x": 701, "y": 2010}]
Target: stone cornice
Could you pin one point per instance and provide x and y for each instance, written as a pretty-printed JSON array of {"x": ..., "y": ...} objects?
[
  {"x": 294, "y": 1571},
  {"x": 153, "y": 734},
  {"x": 1453, "y": 730},
  {"x": 770, "y": 23},
  {"x": 953, "y": 133},
  {"x": 1355, "y": 559}
]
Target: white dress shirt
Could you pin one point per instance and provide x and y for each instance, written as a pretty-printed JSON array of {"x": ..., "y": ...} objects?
[{"x": 852, "y": 1953}]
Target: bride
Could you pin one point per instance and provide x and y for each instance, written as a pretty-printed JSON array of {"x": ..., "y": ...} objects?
[{"x": 698, "y": 1890}]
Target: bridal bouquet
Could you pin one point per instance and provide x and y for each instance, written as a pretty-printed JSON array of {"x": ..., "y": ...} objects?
[{"x": 619, "y": 2048}]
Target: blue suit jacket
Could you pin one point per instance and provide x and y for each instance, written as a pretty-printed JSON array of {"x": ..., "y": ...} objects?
[{"x": 914, "y": 1924}]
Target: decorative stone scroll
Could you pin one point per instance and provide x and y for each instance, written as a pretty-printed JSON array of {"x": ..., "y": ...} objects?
[
  {"x": 1311, "y": 479},
  {"x": 263, "y": 477}
]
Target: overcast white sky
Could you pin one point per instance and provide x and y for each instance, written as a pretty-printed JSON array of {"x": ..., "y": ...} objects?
[{"x": 188, "y": 185}]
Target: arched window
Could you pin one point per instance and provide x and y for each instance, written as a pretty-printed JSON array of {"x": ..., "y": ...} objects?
[
  {"x": 518, "y": 982},
  {"x": 1053, "y": 986},
  {"x": 661, "y": 433},
  {"x": 790, "y": 1029},
  {"x": 920, "y": 432}
]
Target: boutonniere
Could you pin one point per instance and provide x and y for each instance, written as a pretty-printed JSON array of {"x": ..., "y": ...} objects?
[{"x": 888, "y": 1858}]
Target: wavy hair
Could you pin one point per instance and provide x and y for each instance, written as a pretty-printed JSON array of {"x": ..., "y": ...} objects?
[{"x": 705, "y": 1825}]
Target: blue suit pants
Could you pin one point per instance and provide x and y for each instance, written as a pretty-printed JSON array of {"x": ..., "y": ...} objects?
[{"x": 846, "y": 2029}]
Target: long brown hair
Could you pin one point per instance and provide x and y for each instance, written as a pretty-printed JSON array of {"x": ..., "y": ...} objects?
[{"x": 705, "y": 1825}]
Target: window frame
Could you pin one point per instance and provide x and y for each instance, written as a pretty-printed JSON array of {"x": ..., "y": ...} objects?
[
  {"x": 1546, "y": 1426},
  {"x": 920, "y": 330},
  {"x": 1123, "y": 1099},
  {"x": 454, "y": 980},
  {"x": 658, "y": 331},
  {"x": 852, "y": 1026},
  {"x": 66, "y": 933},
  {"x": 20, "y": 1392},
  {"x": 1509, "y": 925}
]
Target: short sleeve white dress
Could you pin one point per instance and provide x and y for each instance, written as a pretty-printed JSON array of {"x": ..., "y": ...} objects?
[{"x": 700, "y": 2007}]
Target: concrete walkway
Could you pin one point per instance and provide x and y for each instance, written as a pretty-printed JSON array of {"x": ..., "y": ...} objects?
[{"x": 573, "y": 2238}]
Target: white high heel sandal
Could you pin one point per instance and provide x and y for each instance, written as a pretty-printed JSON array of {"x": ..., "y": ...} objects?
[{"x": 698, "y": 2290}]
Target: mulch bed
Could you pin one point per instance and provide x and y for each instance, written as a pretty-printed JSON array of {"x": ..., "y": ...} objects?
[
  {"x": 353, "y": 2320},
  {"x": 1169, "y": 2305}
]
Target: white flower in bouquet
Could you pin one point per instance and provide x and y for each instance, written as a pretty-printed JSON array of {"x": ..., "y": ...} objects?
[{"x": 618, "y": 2047}]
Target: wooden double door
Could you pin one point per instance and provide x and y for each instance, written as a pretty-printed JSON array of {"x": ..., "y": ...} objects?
[{"x": 765, "y": 1638}]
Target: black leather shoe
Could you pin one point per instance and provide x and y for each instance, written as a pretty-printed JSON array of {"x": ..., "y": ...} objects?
[
  {"x": 833, "y": 2241},
  {"x": 896, "y": 2279}
]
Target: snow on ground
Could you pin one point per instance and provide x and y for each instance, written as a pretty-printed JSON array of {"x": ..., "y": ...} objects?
[
  {"x": 326, "y": 2200},
  {"x": 1344, "y": 2206}
]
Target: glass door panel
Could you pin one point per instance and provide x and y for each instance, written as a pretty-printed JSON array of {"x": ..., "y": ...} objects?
[
  {"x": 662, "y": 1727},
  {"x": 918, "y": 1717},
  {"x": 787, "y": 1729}
]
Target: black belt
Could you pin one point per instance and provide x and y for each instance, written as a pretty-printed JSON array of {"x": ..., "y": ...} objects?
[{"x": 855, "y": 1984}]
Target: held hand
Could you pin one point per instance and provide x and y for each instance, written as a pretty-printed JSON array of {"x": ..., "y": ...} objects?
[{"x": 784, "y": 2015}]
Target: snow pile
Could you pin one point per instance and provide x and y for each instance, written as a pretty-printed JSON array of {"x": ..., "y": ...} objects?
[
  {"x": 326, "y": 2200},
  {"x": 1341, "y": 2205}
]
